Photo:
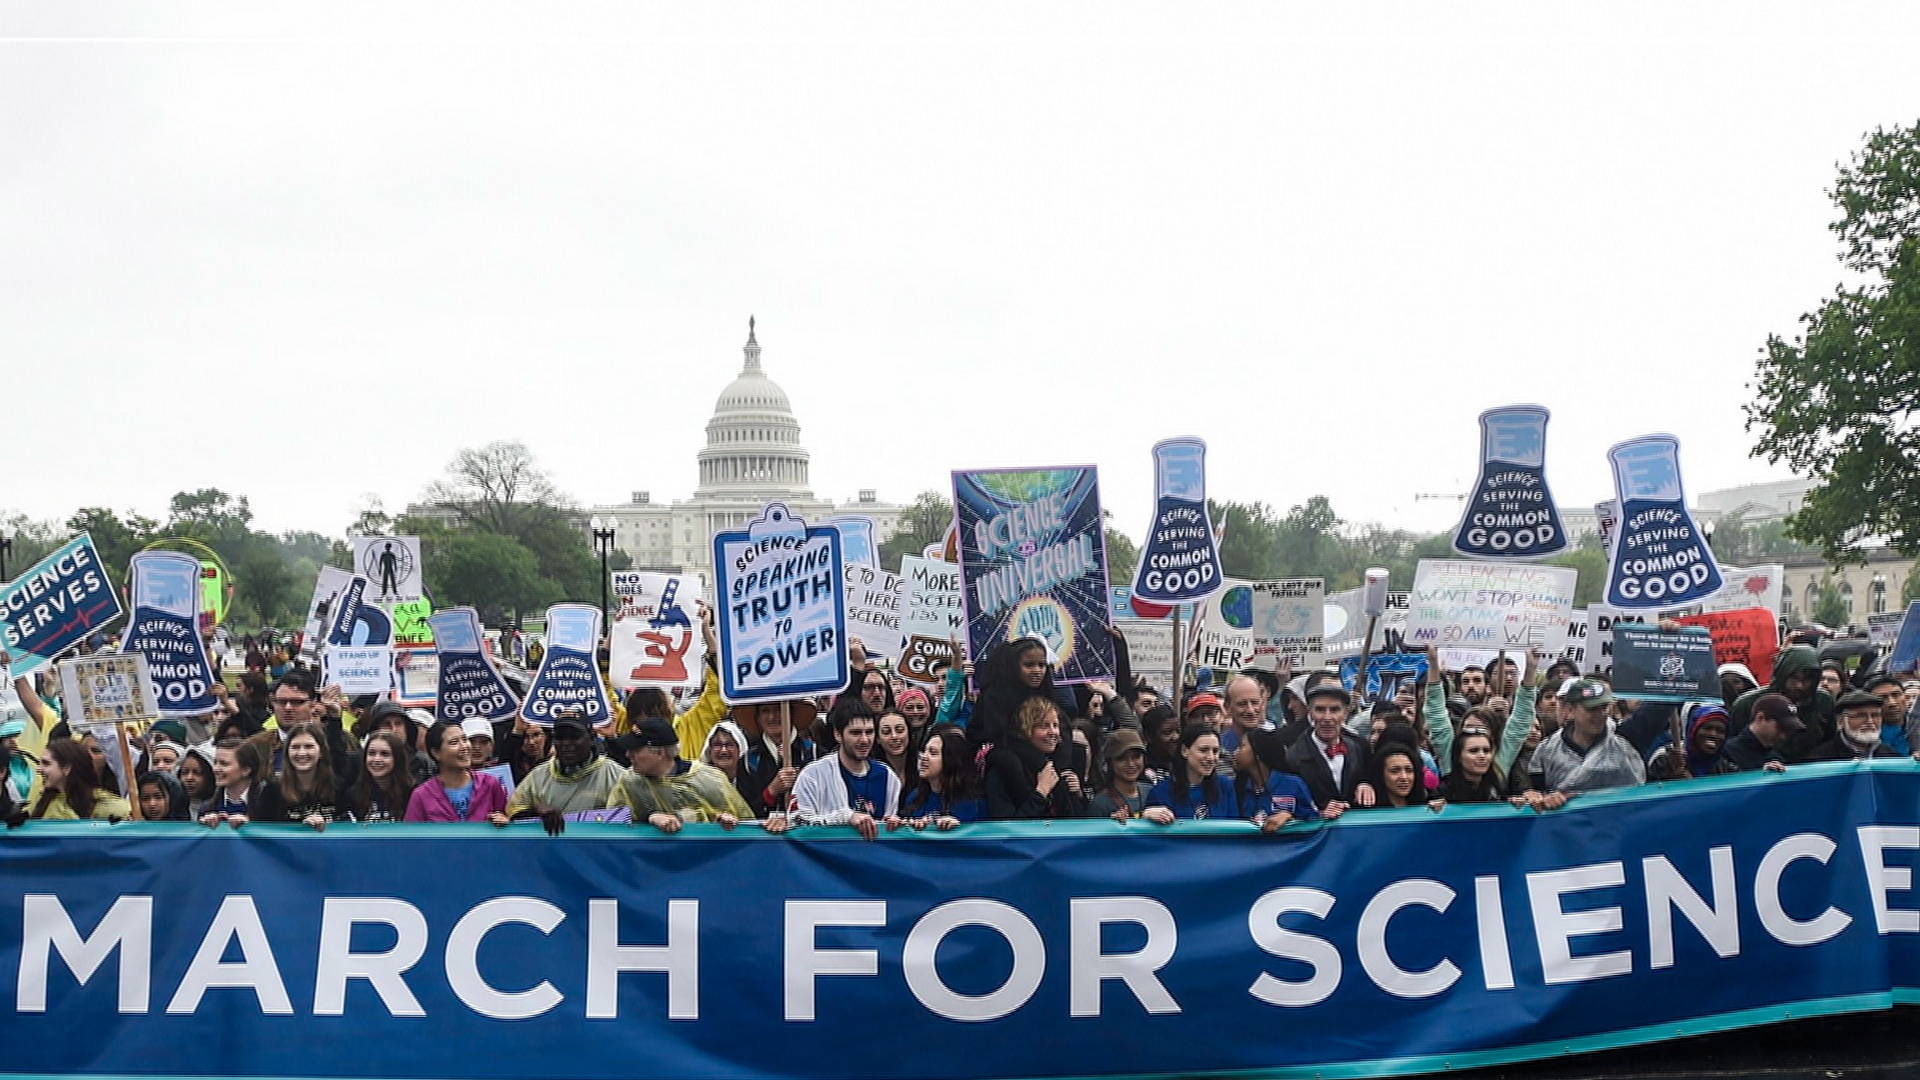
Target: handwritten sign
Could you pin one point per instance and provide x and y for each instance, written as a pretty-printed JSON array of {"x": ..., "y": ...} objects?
[
  {"x": 1658, "y": 665},
  {"x": 108, "y": 688},
  {"x": 55, "y": 603},
  {"x": 875, "y": 604},
  {"x": 782, "y": 609},
  {"x": 1489, "y": 605},
  {"x": 1150, "y": 648},
  {"x": 934, "y": 617},
  {"x": 1289, "y": 620},
  {"x": 656, "y": 641},
  {"x": 1749, "y": 637}
]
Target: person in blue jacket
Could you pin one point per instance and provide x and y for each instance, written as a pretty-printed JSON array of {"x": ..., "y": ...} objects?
[{"x": 1193, "y": 792}]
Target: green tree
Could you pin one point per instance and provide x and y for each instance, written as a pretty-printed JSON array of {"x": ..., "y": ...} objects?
[
  {"x": 493, "y": 573},
  {"x": 31, "y": 541},
  {"x": 1830, "y": 609},
  {"x": 1123, "y": 557},
  {"x": 1589, "y": 557},
  {"x": 925, "y": 522},
  {"x": 1836, "y": 404}
]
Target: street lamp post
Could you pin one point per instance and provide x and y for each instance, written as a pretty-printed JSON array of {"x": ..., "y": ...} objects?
[
  {"x": 6, "y": 546},
  {"x": 602, "y": 544}
]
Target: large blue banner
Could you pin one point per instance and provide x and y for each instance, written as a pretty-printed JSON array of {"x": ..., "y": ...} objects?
[
  {"x": 55, "y": 604},
  {"x": 1391, "y": 941},
  {"x": 1660, "y": 559},
  {"x": 165, "y": 626},
  {"x": 1033, "y": 563}
]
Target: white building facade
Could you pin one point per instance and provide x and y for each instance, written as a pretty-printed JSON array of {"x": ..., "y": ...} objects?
[{"x": 753, "y": 456}]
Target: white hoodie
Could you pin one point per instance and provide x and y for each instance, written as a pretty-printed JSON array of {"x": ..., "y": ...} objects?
[{"x": 820, "y": 795}]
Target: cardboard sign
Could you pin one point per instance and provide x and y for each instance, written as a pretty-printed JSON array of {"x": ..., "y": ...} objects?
[
  {"x": 165, "y": 627},
  {"x": 1660, "y": 559},
  {"x": 1749, "y": 637},
  {"x": 934, "y": 618},
  {"x": 1220, "y": 639},
  {"x": 1386, "y": 674},
  {"x": 357, "y": 669},
  {"x": 1180, "y": 562},
  {"x": 1510, "y": 514},
  {"x": 1657, "y": 665},
  {"x": 1149, "y": 648},
  {"x": 1576, "y": 646},
  {"x": 328, "y": 585},
  {"x": 782, "y": 609},
  {"x": 410, "y": 628},
  {"x": 1345, "y": 621},
  {"x": 569, "y": 675},
  {"x": 55, "y": 603},
  {"x": 1033, "y": 563},
  {"x": 1601, "y": 620},
  {"x": 1884, "y": 627},
  {"x": 1490, "y": 605},
  {"x": 1289, "y": 620},
  {"x": 468, "y": 685},
  {"x": 108, "y": 688},
  {"x": 656, "y": 640},
  {"x": 392, "y": 567},
  {"x": 876, "y": 601}
]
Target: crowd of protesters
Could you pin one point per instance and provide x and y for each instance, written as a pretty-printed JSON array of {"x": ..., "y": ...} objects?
[{"x": 1000, "y": 741}]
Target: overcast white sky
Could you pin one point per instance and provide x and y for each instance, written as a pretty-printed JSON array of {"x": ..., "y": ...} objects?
[{"x": 307, "y": 252}]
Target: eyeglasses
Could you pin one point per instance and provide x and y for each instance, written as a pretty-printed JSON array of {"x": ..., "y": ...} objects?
[{"x": 292, "y": 701}]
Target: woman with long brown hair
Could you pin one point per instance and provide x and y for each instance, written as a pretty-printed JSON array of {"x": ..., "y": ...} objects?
[
  {"x": 305, "y": 791},
  {"x": 385, "y": 783},
  {"x": 70, "y": 787}
]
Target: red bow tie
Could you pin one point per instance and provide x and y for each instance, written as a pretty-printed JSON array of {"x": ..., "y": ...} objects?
[{"x": 1337, "y": 749}]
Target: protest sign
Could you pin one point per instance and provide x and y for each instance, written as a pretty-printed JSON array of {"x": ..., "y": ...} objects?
[
  {"x": 165, "y": 627},
  {"x": 934, "y": 619},
  {"x": 108, "y": 688},
  {"x": 502, "y": 772},
  {"x": 858, "y": 543},
  {"x": 1180, "y": 561},
  {"x": 569, "y": 675},
  {"x": 357, "y": 669},
  {"x": 410, "y": 629},
  {"x": 656, "y": 640},
  {"x": 391, "y": 565},
  {"x": 782, "y": 609},
  {"x": 1510, "y": 514},
  {"x": 1490, "y": 605},
  {"x": 875, "y": 599},
  {"x": 1661, "y": 665},
  {"x": 1606, "y": 516},
  {"x": 1905, "y": 656},
  {"x": 1033, "y": 563},
  {"x": 1576, "y": 647},
  {"x": 55, "y": 603},
  {"x": 1601, "y": 620},
  {"x": 346, "y": 611},
  {"x": 1749, "y": 637},
  {"x": 1289, "y": 620},
  {"x": 1120, "y": 605},
  {"x": 328, "y": 584},
  {"x": 1386, "y": 674},
  {"x": 1660, "y": 559},
  {"x": 468, "y": 686},
  {"x": 1883, "y": 627},
  {"x": 1344, "y": 621},
  {"x": 1221, "y": 638},
  {"x": 1149, "y": 648},
  {"x": 416, "y": 677}
]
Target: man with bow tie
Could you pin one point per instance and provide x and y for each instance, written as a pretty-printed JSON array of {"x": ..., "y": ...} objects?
[{"x": 1330, "y": 759}]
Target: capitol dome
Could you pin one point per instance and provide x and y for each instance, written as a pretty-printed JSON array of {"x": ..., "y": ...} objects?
[{"x": 753, "y": 441}]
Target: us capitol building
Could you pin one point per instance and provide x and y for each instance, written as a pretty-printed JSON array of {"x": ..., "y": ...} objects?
[{"x": 753, "y": 457}]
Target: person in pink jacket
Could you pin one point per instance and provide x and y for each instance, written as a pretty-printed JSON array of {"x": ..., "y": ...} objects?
[{"x": 456, "y": 792}]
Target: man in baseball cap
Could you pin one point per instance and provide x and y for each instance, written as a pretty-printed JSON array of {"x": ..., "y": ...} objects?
[
  {"x": 1585, "y": 754},
  {"x": 665, "y": 790},
  {"x": 1773, "y": 722},
  {"x": 575, "y": 779}
]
